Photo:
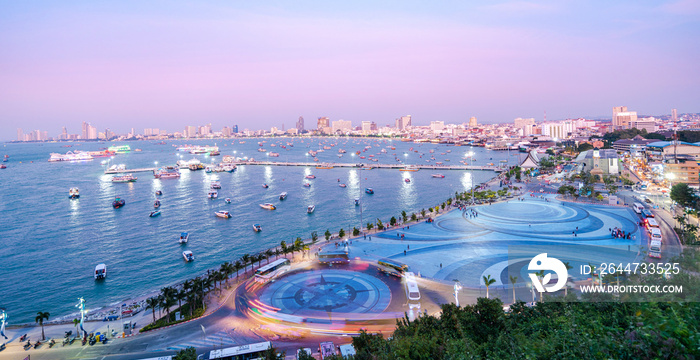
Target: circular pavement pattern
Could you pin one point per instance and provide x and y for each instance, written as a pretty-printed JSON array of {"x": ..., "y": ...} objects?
[{"x": 314, "y": 292}]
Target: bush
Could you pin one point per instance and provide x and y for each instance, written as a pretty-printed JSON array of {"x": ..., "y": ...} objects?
[{"x": 199, "y": 311}]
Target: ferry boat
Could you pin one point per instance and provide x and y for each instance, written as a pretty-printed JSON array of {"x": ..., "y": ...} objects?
[
  {"x": 410, "y": 168},
  {"x": 156, "y": 204},
  {"x": 124, "y": 178},
  {"x": 265, "y": 186},
  {"x": 214, "y": 153},
  {"x": 101, "y": 153},
  {"x": 184, "y": 237},
  {"x": 195, "y": 167},
  {"x": 342, "y": 185},
  {"x": 283, "y": 195},
  {"x": 310, "y": 209},
  {"x": 73, "y": 193},
  {"x": 154, "y": 213},
  {"x": 188, "y": 255},
  {"x": 215, "y": 185},
  {"x": 212, "y": 195},
  {"x": 223, "y": 214},
  {"x": 227, "y": 200},
  {"x": 119, "y": 149},
  {"x": 369, "y": 191},
  {"x": 310, "y": 176},
  {"x": 307, "y": 184},
  {"x": 357, "y": 202},
  {"x": 158, "y": 193},
  {"x": 170, "y": 172},
  {"x": 229, "y": 167},
  {"x": 268, "y": 206},
  {"x": 257, "y": 228},
  {"x": 274, "y": 154},
  {"x": 100, "y": 272},
  {"x": 118, "y": 202},
  {"x": 438, "y": 176},
  {"x": 70, "y": 156}
]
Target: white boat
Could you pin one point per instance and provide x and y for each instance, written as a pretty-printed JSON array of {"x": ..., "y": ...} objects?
[
  {"x": 100, "y": 271},
  {"x": 208, "y": 169},
  {"x": 307, "y": 184},
  {"x": 167, "y": 173},
  {"x": 223, "y": 214},
  {"x": 73, "y": 193},
  {"x": 227, "y": 200},
  {"x": 268, "y": 206},
  {"x": 229, "y": 167},
  {"x": 342, "y": 185},
  {"x": 283, "y": 195},
  {"x": 438, "y": 176},
  {"x": 215, "y": 185},
  {"x": 357, "y": 202},
  {"x": 310, "y": 209},
  {"x": 212, "y": 194},
  {"x": 257, "y": 228},
  {"x": 310, "y": 176},
  {"x": 124, "y": 178},
  {"x": 265, "y": 186},
  {"x": 188, "y": 255},
  {"x": 184, "y": 237}
]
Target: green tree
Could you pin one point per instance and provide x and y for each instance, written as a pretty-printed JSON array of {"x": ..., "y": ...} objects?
[
  {"x": 414, "y": 217},
  {"x": 488, "y": 281},
  {"x": 341, "y": 233},
  {"x": 370, "y": 226},
  {"x": 40, "y": 317},
  {"x": 303, "y": 355},
  {"x": 152, "y": 303},
  {"x": 328, "y": 235},
  {"x": 380, "y": 225},
  {"x": 355, "y": 231},
  {"x": 314, "y": 236},
  {"x": 682, "y": 194},
  {"x": 404, "y": 216},
  {"x": 513, "y": 280},
  {"x": 422, "y": 212},
  {"x": 392, "y": 221},
  {"x": 188, "y": 353}
]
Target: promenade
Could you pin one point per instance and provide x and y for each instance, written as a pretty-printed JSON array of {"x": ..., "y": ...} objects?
[{"x": 372, "y": 165}]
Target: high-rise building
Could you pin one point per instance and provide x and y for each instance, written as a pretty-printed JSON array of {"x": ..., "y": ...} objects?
[
  {"x": 226, "y": 131},
  {"x": 191, "y": 131},
  {"x": 437, "y": 126},
  {"x": 521, "y": 123},
  {"x": 472, "y": 121},
  {"x": 235, "y": 129},
  {"x": 91, "y": 132},
  {"x": 323, "y": 122},
  {"x": 403, "y": 122},
  {"x": 85, "y": 130},
  {"x": 621, "y": 117},
  {"x": 64, "y": 134},
  {"x": 20, "y": 134},
  {"x": 674, "y": 115},
  {"x": 342, "y": 125},
  {"x": 300, "y": 124}
]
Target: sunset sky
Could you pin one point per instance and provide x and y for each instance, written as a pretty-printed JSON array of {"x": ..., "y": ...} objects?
[{"x": 167, "y": 64}]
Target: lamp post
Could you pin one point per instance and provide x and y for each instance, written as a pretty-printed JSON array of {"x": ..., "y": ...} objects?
[
  {"x": 3, "y": 320},
  {"x": 81, "y": 306},
  {"x": 457, "y": 288}
]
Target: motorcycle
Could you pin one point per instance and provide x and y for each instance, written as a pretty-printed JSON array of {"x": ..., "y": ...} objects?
[
  {"x": 85, "y": 340},
  {"x": 73, "y": 340},
  {"x": 23, "y": 337},
  {"x": 68, "y": 333},
  {"x": 2, "y": 347},
  {"x": 52, "y": 343},
  {"x": 66, "y": 341},
  {"x": 28, "y": 345},
  {"x": 36, "y": 345}
]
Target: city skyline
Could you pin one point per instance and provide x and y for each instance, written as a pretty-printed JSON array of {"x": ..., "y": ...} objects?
[{"x": 266, "y": 65}]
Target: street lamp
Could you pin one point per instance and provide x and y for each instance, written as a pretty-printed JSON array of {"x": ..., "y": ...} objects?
[{"x": 457, "y": 288}]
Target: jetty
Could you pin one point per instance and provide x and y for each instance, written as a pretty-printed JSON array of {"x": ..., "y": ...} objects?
[
  {"x": 121, "y": 171},
  {"x": 372, "y": 166}
]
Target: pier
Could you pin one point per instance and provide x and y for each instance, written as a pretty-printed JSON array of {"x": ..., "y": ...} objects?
[
  {"x": 372, "y": 166},
  {"x": 121, "y": 171}
]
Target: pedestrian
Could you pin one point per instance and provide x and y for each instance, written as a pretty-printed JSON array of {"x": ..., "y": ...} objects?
[
  {"x": 404, "y": 252},
  {"x": 440, "y": 265},
  {"x": 365, "y": 236},
  {"x": 409, "y": 247}
]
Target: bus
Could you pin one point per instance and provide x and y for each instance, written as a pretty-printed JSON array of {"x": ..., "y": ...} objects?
[
  {"x": 412, "y": 292},
  {"x": 638, "y": 208},
  {"x": 333, "y": 257},
  {"x": 392, "y": 267},
  {"x": 243, "y": 352},
  {"x": 272, "y": 270}
]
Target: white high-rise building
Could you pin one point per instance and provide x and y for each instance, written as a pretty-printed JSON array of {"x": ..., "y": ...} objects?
[
  {"x": 341, "y": 125},
  {"x": 622, "y": 118},
  {"x": 437, "y": 126}
]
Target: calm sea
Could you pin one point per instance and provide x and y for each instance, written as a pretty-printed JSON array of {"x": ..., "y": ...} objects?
[{"x": 50, "y": 244}]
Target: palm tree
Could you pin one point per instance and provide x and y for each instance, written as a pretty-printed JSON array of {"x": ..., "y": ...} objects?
[
  {"x": 566, "y": 287},
  {"x": 513, "y": 280},
  {"x": 260, "y": 257},
  {"x": 246, "y": 260},
  {"x": 540, "y": 277},
  {"x": 237, "y": 266},
  {"x": 152, "y": 303},
  {"x": 488, "y": 281},
  {"x": 187, "y": 288},
  {"x": 167, "y": 299},
  {"x": 268, "y": 255},
  {"x": 40, "y": 317},
  {"x": 277, "y": 253},
  {"x": 180, "y": 295}
]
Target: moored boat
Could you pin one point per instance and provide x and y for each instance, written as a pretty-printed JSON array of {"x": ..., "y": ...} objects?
[
  {"x": 407, "y": 180},
  {"x": 156, "y": 204},
  {"x": 369, "y": 191},
  {"x": 188, "y": 255},
  {"x": 213, "y": 194},
  {"x": 310, "y": 209},
  {"x": 227, "y": 200},
  {"x": 170, "y": 172},
  {"x": 215, "y": 185},
  {"x": 283, "y": 195},
  {"x": 268, "y": 206},
  {"x": 265, "y": 186},
  {"x": 357, "y": 202},
  {"x": 100, "y": 272},
  {"x": 73, "y": 193},
  {"x": 342, "y": 185},
  {"x": 158, "y": 192},
  {"x": 223, "y": 214},
  {"x": 118, "y": 202},
  {"x": 438, "y": 176},
  {"x": 310, "y": 176},
  {"x": 154, "y": 213},
  {"x": 124, "y": 178},
  {"x": 184, "y": 237},
  {"x": 257, "y": 227},
  {"x": 307, "y": 184}
]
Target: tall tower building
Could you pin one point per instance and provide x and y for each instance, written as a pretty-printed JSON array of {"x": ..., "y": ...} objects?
[
  {"x": 403, "y": 122},
  {"x": 85, "y": 130},
  {"x": 323, "y": 122},
  {"x": 20, "y": 134},
  {"x": 235, "y": 129},
  {"x": 622, "y": 118},
  {"x": 300, "y": 124},
  {"x": 674, "y": 115},
  {"x": 472, "y": 121}
]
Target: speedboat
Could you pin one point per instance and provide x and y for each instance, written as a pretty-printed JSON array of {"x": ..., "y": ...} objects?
[
  {"x": 257, "y": 228},
  {"x": 283, "y": 195},
  {"x": 118, "y": 202},
  {"x": 407, "y": 180},
  {"x": 357, "y": 202},
  {"x": 216, "y": 185},
  {"x": 158, "y": 193},
  {"x": 227, "y": 200},
  {"x": 307, "y": 184},
  {"x": 188, "y": 255},
  {"x": 438, "y": 176},
  {"x": 342, "y": 185},
  {"x": 73, "y": 193},
  {"x": 310, "y": 176},
  {"x": 369, "y": 191},
  {"x": 154, "y": 213},
  {"x": 184, "y": 237},
  {"x": 124, "y": 178},
  {"x": 310, "y": 209},
  {"x": 156, "y": 204},
  {"x": 223, "y": 214},
  {"x": 268, "y": 206},
  {"x": 265, "y": 186},
  {"x": 213, "y": 194},
  {"x": 100, "y": 271},
  {"x": 208, "y": 169}
]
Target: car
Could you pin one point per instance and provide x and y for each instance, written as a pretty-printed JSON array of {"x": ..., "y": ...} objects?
[
  {"x": 655, "y": 254},
  {"x": 647, "y": 200}
]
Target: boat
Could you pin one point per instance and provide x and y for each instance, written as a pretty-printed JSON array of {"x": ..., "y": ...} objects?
[
  {"x": 73, "y": 193},
  {"x": 310, "y": 209},
  {"x": 212, "y": 194},
  {"x": 214, "y": 153},
  {"x": 156, "y": 204},
  {"x": 223, "y": 214},
  {"x": 154, "y": 213},
  {"x": 265, "y": 186},
  {"x": 184, "y": 237},
  {"x": 307, "y": 184},
  {"x": 409, "y": 168},
  {"x": 227, "y": 200},
  {"x": 342, "y": 185},
  {"x": 310, "y": 176},
  {"x": 369, "y": 191},
  {"x": 118, "y": 202},
  {"x": 215, "y": 185},
  {"x": 158, "y": 192},
  {"x": 188, "y": 255},
  {"x": 229, "y": 167},
  {"x": 283, "y": 195},
  {"x": 438, "y": 176},
  {"x": 70, "y": 156},
  {"x": 490, "y": 164},
  {"x": 169, "y": 172},
  {"x": 268, "y": 206},
  {"x": 208, "y": 169},
  {"x": 274, "y": 154},
  {"x": 100, "y": 272},
  {"x": 257, "y": 228},
  {"x": 357, "y": 202},
  {"x": 407, "y": 180},
  {"x": 124, "y": 178},
  {"x": 2, "y": 166},
  {"x": 119, "y": 149},
  {"x": 327, "y": 166}
]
